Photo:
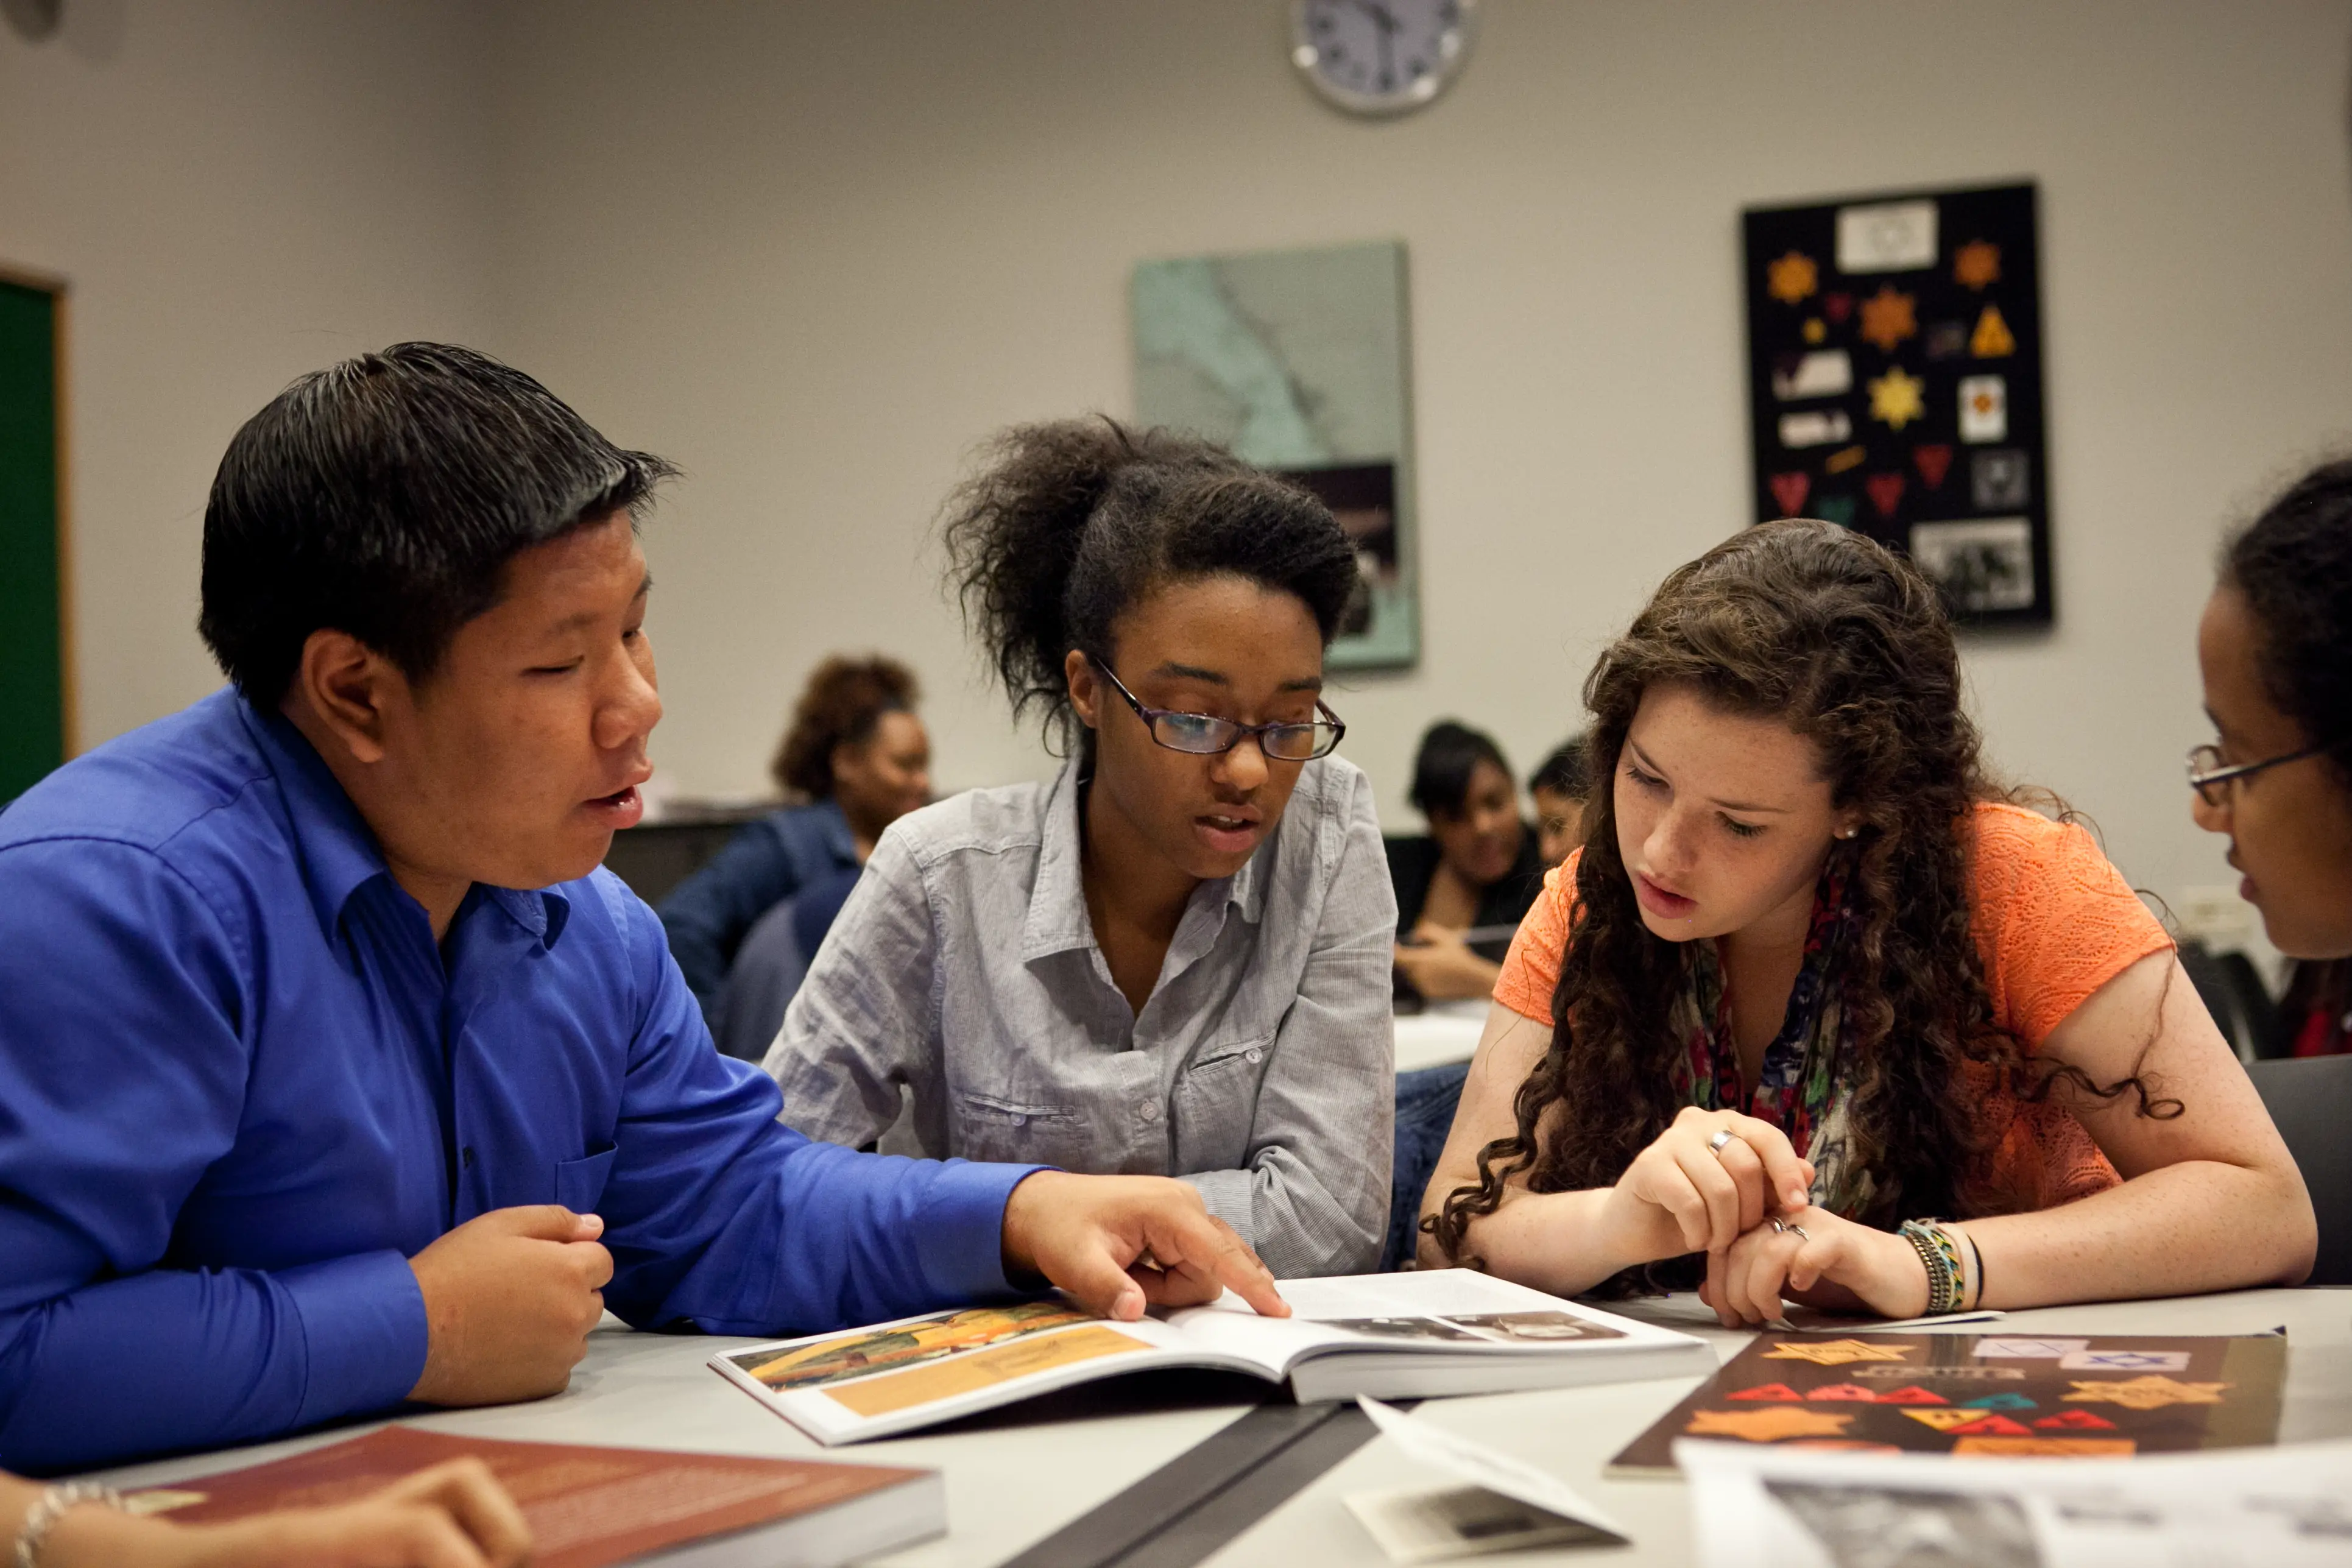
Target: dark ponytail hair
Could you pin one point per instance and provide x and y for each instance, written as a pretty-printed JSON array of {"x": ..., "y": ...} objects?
[
  {"x": 2294, "y": 566},
  {"x": 1069, "y": 523}
]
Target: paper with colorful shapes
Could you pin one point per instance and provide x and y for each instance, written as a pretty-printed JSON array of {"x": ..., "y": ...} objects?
[
  {"x": 1898, "y": 335},
  {"x": 1963, "y": 1394}
]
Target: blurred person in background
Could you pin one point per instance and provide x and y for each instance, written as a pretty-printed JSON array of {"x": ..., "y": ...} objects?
[
  {"x": 1561, "y": 787},
  {"x": 1461, "y": 887},
  {"x": 856, "y": 759}
]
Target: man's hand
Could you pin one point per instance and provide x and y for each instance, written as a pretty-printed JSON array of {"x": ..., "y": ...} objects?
[
  {"x": 1118, "y": 1244},
  {"x": 509, "y": 1297}
]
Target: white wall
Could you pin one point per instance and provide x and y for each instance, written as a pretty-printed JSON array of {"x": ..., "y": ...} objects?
[
  {"x": 817, "y": 251},
  {"x": 236, "y": 192}
]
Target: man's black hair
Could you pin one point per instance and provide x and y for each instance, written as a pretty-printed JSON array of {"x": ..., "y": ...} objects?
[
  {"x": 383, "y": 497},
  {"x": 1568, "y": 771},
  {"x": 1450, "y": 752}
]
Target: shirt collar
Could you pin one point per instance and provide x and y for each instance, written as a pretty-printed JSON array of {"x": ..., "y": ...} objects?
[
  {"x": 334, "y": 845},
  {"x": 1058, "y": 921},
  {"x": 834, "y": 822}
]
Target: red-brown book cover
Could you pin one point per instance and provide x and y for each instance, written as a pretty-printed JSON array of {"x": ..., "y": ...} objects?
[{"x": 586, "y": 1505}]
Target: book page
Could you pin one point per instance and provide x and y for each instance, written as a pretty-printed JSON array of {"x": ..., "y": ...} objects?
[
  {"x": 898, "y": 1376},
  {"x": 1452, "y": 1309},
  {"x": 1761, "y": 1506}
]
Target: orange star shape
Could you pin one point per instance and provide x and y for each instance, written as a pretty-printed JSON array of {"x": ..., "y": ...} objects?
[
  {"x": 1793, "y": 278},
  {"x": 1896, "y": 398},
  {"x": 1768, "y": 1425},
  {"x": 1976, "y": 264},
  {"x": 2153, "y": 1392},
  {"x": 1888, "y": 316},
  {"x": 1835, "y": 1352}
]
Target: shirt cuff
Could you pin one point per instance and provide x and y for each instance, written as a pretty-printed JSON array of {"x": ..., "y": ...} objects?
[
  {"x": 1230, "y": 1195},
  {"x": 364, "y": 1333},
  {"x": 964, "y": 1218}
]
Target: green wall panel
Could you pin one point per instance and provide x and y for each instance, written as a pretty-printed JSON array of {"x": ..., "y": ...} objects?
[{"x": 32, "y": 662}]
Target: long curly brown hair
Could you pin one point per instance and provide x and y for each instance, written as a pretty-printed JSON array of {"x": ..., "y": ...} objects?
[{"x": 1818, "y": 627}]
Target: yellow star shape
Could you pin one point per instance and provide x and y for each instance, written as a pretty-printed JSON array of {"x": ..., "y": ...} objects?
[
  {"x": 1835, "y": 1352},
  {"x": 1768, "y": 1425},
  {"x": 2153, "y": 1392},
  {"x": 1793, "y": 278},
  {"x": 1895, "y": 400}
]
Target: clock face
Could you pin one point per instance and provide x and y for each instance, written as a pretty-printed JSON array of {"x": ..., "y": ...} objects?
[{"x": 1380, "y": 56}]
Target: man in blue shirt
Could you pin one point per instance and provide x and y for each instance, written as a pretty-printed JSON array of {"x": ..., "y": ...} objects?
[{"x": 334, "y": 1072}]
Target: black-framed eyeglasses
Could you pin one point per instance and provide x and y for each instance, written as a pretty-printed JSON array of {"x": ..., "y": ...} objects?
[
  {"x": 2212, "y": 778},
  {"x": 1206, "y": 735}
]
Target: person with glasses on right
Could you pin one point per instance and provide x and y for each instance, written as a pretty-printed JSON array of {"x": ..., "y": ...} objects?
[
  {"x": 1173, "y": 958},
  {"x": 2275, "y": 650}
]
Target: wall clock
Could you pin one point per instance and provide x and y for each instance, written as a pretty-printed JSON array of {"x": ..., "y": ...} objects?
[{"x": 1381, "y": 57}]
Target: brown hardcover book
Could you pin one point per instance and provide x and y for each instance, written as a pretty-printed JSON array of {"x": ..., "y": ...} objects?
[
  {"x": 593, "y": 1506},
  {"x": 2014, "y": 1395}
]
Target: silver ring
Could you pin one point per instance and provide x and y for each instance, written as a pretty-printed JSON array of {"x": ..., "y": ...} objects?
[
  {"x": 1796, "y": 1229},
  {"x": 1778, "y": 1225},
  {"x": 1717, "y": 1143}
]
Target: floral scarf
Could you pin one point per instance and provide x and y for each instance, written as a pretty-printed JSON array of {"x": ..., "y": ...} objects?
[{"x": 1805, "y": 1087}]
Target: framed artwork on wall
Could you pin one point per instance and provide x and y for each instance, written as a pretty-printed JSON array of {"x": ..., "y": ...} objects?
[
  {"x": 1296, "y": 360},
  {"x": 1894, "y": 384}
]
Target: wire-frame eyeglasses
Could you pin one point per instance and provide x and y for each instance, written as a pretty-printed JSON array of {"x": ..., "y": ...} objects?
[
  {"x": 1206, "y": 735},
  {"x": 2212, "y": 778}
]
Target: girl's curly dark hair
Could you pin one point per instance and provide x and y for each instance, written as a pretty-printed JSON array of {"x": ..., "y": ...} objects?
[
  {"x": 843, "y": 701},
  {"x": 1821, "y": 627},
  {"x": 1068, "y": 523}
]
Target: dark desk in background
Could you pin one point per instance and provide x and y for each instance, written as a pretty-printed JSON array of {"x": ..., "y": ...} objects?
[{"x": 654, "y": 856}]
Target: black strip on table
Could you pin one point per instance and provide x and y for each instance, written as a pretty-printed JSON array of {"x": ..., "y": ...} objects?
[{"x": 1184, "y": 1512}]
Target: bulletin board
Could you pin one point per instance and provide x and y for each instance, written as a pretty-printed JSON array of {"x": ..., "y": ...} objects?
[
  {"x": 1894, "y": 381},
  {"x": 33, "y": 673}
]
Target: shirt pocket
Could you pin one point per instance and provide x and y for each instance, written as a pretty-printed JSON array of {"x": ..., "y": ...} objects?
[
  {"x": 1215, "y": 1105},
  {"x": 580, "y": 1183},
  {"x": 1015, "y": 1133}
]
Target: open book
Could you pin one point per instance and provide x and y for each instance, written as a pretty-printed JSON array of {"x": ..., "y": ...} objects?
[{"x": 1391, "y": 1336}]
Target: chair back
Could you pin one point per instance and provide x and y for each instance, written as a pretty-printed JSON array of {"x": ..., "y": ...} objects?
[
  {"x": 768, "y": 969},
  {"x": 2310, "y": 1098}
]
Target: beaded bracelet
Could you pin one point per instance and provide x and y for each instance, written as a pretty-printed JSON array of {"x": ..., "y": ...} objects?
[
  {"x": 1940, "y": 1257},
  {"x": 52, "y": 1505}
]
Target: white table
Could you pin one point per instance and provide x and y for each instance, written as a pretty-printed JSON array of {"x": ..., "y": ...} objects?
[
  {"x": 1441, "y": 1033},
  {"x": 1012, "y": 1481}
]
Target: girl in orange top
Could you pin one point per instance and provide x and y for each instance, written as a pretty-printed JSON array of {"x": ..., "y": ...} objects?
[{"x": 1808, "y": 984}]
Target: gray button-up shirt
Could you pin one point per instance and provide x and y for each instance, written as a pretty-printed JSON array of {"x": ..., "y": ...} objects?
[{"x": 965, "y": 968}]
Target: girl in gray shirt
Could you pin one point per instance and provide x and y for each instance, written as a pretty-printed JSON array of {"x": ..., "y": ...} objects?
[{"x": 1174, "y": 959}]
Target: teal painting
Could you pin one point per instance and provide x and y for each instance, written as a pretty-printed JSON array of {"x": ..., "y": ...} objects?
[{"x": 1296, "y": 360}]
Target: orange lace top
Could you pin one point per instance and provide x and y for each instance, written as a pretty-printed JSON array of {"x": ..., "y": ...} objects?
[{"x": 2053, "y": 921}]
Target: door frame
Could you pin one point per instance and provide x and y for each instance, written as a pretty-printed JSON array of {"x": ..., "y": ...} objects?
[{"x": 60, "y": 299}]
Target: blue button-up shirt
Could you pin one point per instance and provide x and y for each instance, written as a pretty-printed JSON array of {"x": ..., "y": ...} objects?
[{"x": 240, "y": 1085}]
